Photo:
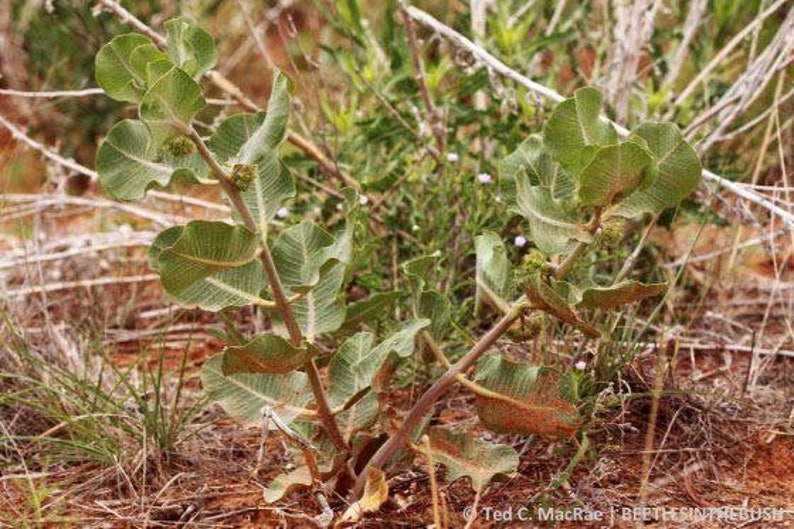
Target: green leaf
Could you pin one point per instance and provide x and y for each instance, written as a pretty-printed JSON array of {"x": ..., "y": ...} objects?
[
  {"x": 679, "y": 171},
  {"x": 370, "y": 309},
  {"x": 555, "y": 302},
  {"x": 615, "y": 172},
  {"x": 129, "y": 163},
  {"x": 533, "y": 160},
  {"x": 436, "y": 307},
  {"x": 418, "y": 270},
  {"x": 121, "y": 66},
  {"x": 265, "y": 354},
  {"x": 619, "y": 294},
  {"x": 527, "y": 399},
  {"x": 301, "y": 251},
  {"x": 170, "y": 104},
  {"x": 213, "y": 265},
  {"x": 190, "y": 47},
  {"x": 495, "y": 284},
  {"x": 466, "y": 456},
  {"x": 355, "y": 364},
  {"x": 244, "y": 395},
  {"x": 551, "y": 227},
  {"x": 254, "y": 139},
  {"x": 232, "y": 134},
  {"x": 574, "y": 131},
  {"x": 320, "y": 310},
  {"x": 352, "y": 368}
]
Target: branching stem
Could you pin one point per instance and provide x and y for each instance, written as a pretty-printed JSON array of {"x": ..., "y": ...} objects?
[
  {"x": 434, "y": 392},
  {"x": 282, "y": 302}
]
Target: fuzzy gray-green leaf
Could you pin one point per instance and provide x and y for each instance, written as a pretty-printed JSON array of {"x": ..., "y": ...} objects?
[
  {"x": 245, "y": 394},
  {"x": 129, "y": 162},
  {"x": 614, "y": 173},
  {"x": 551, "y": 227},
  {"x": 190, "y": 47},
  {"x": 679, "y": 171},
  {"x": 213, "y": 265},
  {"x": 121, "y": 66},
  {"x": 495, "y": 285},
  {"x": 267, "y": 353},
  {"x": 574, "y": 131}
]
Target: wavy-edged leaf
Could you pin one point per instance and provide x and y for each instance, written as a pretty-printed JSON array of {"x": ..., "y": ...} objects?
[
  {"x": 529, "y": 399},
  {"x": 244, "y": 395},
  {"x": 436, "y": 307},
  {"x": 213, "y": 265},
  {"x": 121, "y": 66},
  {"x": 129, "y": 162},
  {"x": 360, "y": 416},
  {"x": 170, "y": 104},
  {"x": 532, "y": 159},
  {"x": 320, "y": 309},
  {"x": 679, "y": 171},
  {"x": 371, "y": 308},
  {"x": 418, "y": 269},
  {"x": 466, "y": 456},
  {"x": 614, "y": 173},
  {"x": 555, "y": 302},
  {"x": 619, "y": 294},
  {"x": 551, "y": 227},
  {"x": 355, "y": 364},
  {"x": 191, "y": 48},
  {"x": 273, "y": 183},
  {"x": 494, "y": 272},
  {"x": 574, "y": 131},
  {"x": 267, "y": 353},
  {"x": 301, "y": 251},
  {"x": 255, "y": 140},
  {"x": 352, "y": 368}
]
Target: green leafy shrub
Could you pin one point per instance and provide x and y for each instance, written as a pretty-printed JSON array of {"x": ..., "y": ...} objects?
[{"x": 572, "y": 183}]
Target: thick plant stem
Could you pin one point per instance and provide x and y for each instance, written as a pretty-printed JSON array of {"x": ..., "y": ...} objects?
[
  {"x": 282, "y": 303},
  {"x": 434, "y": 392}
]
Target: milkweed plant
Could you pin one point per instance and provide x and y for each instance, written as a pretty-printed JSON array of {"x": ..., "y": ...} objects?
[{"x": 572, "y": 183}]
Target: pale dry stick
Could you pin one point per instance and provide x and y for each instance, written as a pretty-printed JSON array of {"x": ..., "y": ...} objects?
[
  {"x": 85, "y": 283},
  {"x": 51, "y": 94},
  {"x": 257, "y": 36},
  {"x": 691, "y": 26},
  {"x": 756, "y": 120},
  {"x": 498, "y": 66},
  {"x": 555, "y": 18},
  {"x": 520, "y": 12},
  {"x": 282, "y": 303},
  {"x": 74, "y": 252},
  {"x": 650, "y": 433},
  {"x": 431, "y": 472},
  {"x": 44, "y": 201},
  {"x": 755, "y": 241},
  {"x": 435, "y": 122},
  {"x": 635, "y": 254},
  {"x": 632, "y": 32},
  {"x": 744, "y": 91},
  {"x": 759, "y": 163},
  {"x": 725, "y": 52},
  {"x": 478, "y": 13},
  {"x": 54, "y": 156}
]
